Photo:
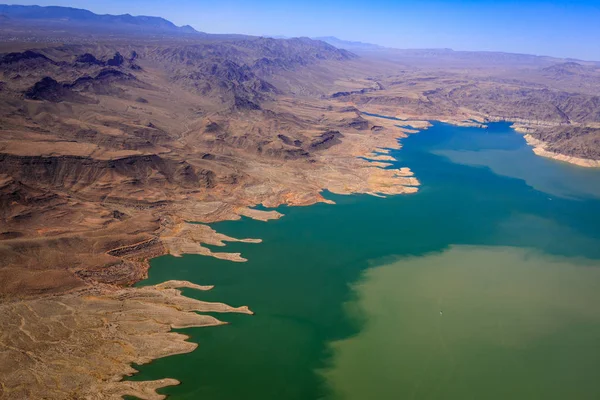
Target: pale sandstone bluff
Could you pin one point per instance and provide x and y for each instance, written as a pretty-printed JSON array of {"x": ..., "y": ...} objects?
[
  {"x": 539, "y": 148},
  {"x": 80, "y": 345}
]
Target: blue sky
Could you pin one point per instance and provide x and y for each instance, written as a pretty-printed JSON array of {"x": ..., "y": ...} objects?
[{"x": 558, "y": 28}]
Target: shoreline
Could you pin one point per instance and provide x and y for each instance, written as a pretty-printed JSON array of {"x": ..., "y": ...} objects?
[
  {"x": 100, "y": 333},
  {"x": 164, "y": 303},
  {"x": 182, "y": 236},
  {"x": 539, "y": 148},
  {"x": 204, "y": 233},
  {"x": 133, "y": 325},
  {"x": 523, "y": 127}
]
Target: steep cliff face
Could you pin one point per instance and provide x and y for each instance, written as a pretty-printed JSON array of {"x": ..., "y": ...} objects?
[
  {"x": 575, "y": 141},
  {"x": 534, "y": 104},
  {"x": 78, "y": 173},
  {"x": 326, "y": 140}
]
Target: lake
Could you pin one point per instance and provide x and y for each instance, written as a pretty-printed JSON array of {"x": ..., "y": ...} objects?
[{"x": 483, "y": 285}]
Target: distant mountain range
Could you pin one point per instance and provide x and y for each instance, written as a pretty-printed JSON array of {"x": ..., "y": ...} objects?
[
  {"x": 336, "y": 42},
  {"x": 75, "y": 17},
  {"x": 348, "y": 45},
  {"x": 60, "y": 23}
]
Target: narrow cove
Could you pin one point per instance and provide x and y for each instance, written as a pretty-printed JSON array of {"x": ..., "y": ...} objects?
[{"x": 350, "y": 297}]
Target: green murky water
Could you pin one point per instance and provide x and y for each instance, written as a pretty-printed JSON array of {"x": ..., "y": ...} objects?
[{"x": 484, "y": 285}]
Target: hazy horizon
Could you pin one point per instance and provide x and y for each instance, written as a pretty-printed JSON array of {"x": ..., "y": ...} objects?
[{"x": 566, "y": 29}]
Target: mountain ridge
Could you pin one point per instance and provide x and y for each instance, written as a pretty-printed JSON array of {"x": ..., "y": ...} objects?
[
  {"x": 348, "y": 44},
  {"x": 69, "y": 15}
]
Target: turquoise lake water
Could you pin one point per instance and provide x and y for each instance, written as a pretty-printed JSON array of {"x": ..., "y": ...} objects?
[{"x": 483, "y": 285}]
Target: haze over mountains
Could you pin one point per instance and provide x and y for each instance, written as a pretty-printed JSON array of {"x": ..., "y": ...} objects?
[
  {"x": 339, "y": 43},
  {"x": 116, "y": 130},
  {"x": 78, "y": 18},
  {"x": 20, "y": 17}
]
